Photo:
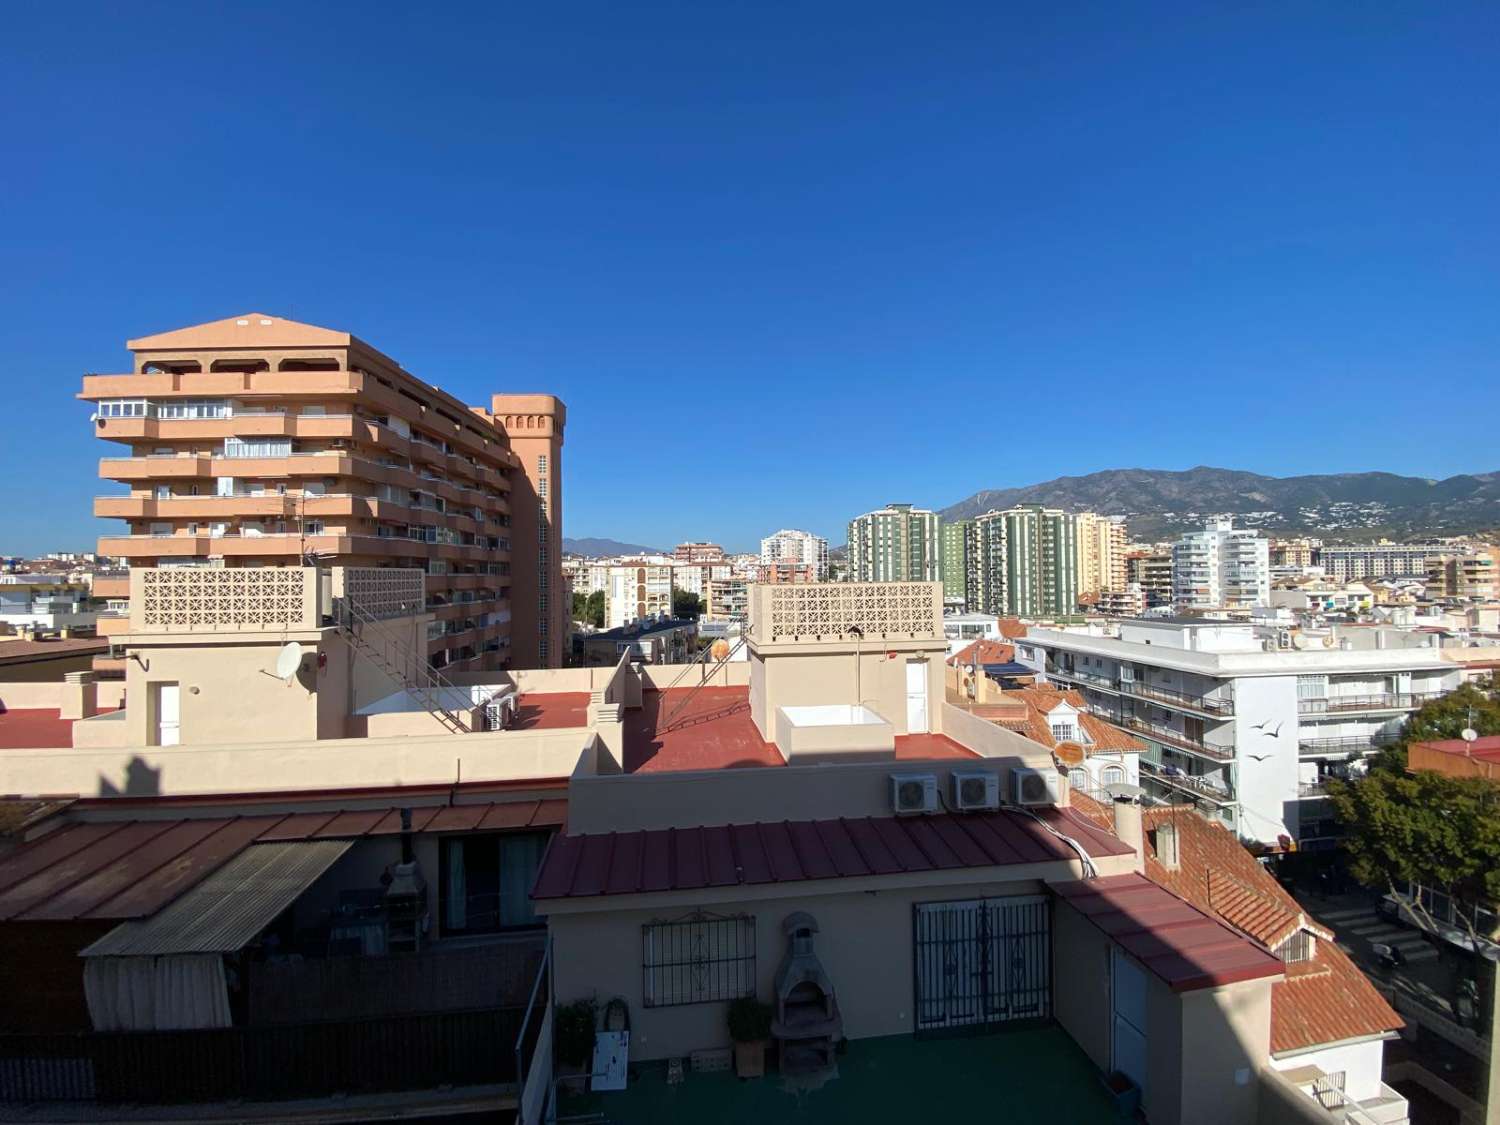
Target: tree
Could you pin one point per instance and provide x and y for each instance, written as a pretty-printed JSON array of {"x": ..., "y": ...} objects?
[
  {"x": 589, "y": 608},
  {"x": 1465, "y": 706},
  {"x": 686, "y": 605},
  {"x": 1442, "y": 832}
]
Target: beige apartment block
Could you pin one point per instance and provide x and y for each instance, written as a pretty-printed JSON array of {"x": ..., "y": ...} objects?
[
  {"x": 259, "y": 441},
  {"x": 1102, "y": 543}
]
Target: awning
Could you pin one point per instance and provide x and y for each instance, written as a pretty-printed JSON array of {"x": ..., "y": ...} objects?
[{"x": 226, "y": 911}]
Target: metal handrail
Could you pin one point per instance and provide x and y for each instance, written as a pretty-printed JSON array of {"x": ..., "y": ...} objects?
[{"x": 419, "y": 677}]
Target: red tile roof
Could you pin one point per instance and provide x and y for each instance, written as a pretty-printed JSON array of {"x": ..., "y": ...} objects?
[
  {"x": 130, "y": 869},
  {"x": 711, "y": 728},
  {"x": 1325, "y": 1000},
  {"x": 1011, "y": 628},
  {"x": 1041, "y": 700},
  {"x": 984, "y": 652},
  {"x": 34, "y": 729},
  {"x": 1182, "y": 945},
  {"x": 678, "y": 859}
]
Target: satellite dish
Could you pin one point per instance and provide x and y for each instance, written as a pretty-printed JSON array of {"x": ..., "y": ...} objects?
[
  {"x": 1068, "y": 753},
  {"x": 1469, "y": 734},
  {"x": 288, "y": 660}
]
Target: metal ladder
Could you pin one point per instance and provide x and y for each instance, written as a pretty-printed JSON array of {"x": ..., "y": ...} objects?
[
  {"x": 408, "y": 669},
  {"x": 703, "y": 680}
]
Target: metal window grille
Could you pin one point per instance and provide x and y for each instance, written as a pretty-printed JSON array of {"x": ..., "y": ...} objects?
[
  {"x": 1298, "y": 947},
  {"x": 698, "y": 959}
]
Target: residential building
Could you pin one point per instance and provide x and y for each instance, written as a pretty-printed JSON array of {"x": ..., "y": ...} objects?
[
  {"x": 1358, "y": 561},
  {"x": 783, "y": 812},
  {"x": 1129, "y": 601},
  {"x": 1318, "y": 596},
  {"x": 792, "y": 546},
  {"x": 698, "y": 553},
  {"x": 1102, "y": 545},
  {"x": 1247, "y": 725},
  {"x": 1472, "y": 577},
  {"x": 897, "y": 543},
  {"x": 637, "y": 590},
  {"x": 957, "y": 564},
  {"x": 261, "y": 441},
  {"x": 648, "y": 641},
  {"x": 784, "y": 573},
  {"x": 1294, "y": 554},
  {"x": 962, "y": 628},
  {"x": 1027, "y": 562},
  {"x": 728, "y": 600},
  {"x": 539, "y": 607},
  {"x": 46, "y": 606},
  {"x": 1152, "y": 572},
  {"x": 1103, "y": 756},
  {"x": 1221, "y": 568},
  {"x": 693, "y": 578}
]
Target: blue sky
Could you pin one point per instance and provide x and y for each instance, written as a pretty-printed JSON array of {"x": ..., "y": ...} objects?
[{"x": 784, "y": 262}]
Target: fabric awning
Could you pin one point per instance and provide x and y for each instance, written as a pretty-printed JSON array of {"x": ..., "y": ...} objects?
[{"x": 226, "y": 911}]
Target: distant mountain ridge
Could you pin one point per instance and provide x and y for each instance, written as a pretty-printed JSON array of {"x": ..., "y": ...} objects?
[
  {"x": 1159, "y": 503},
  {"x": 596, "y": 548}
]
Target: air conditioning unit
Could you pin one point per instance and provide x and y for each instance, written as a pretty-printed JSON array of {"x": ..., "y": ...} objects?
[
  {"x": 975, "y": 789},
  {"x": 1034, "y": 787},
  {"x": 913, "y": 793}
]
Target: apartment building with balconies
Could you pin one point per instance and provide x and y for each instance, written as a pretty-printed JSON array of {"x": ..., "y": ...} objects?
[
  {"x": 1221, "y": 568},
  {"x": 258, "y": 441},
  {"x": 1247, "y": 724}
]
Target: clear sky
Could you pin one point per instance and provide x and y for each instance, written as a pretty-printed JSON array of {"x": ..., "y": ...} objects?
[{"x": 785, "y": 263}]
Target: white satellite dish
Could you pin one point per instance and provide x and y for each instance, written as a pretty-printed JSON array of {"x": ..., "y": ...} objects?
[
  {"x": 1469, "y": 734},
  {"x": 288, "y": 660}
]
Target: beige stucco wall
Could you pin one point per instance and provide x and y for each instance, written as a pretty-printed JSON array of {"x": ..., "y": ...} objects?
[
  {"x": 811, "y": 675},
  {"x": 47, "y": 696},
  {"x": 865, "y": 943},
  {"x": 1200, "y": 1045},
  {"x": 138, "y": 770}
]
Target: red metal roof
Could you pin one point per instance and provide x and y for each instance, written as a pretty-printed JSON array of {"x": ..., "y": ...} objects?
[
  {"x": 790, "y": 851},
  {"x": 130, "y": 869},
  {"x": 1179, "y": 943}
]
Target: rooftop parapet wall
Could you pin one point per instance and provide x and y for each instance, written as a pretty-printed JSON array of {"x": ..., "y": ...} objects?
[
  {"x": 259, "y": 599},
  {"x": 833, "y": 611},
  {"x": 382, "y": 592}
]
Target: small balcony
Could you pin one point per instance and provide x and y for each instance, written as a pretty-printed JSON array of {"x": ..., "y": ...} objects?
[
  {"x": 1167, "y": 736},
  {"x": 1343, "y": 746},
  {"x": 1380, "y": 701},
  {"x": 1197, "y": 787},
  {"x": 1217, "y": 707}
]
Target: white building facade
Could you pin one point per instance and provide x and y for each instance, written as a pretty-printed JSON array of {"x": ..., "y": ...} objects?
[
  {"x": 1242, "y": 722},
  {"x": 791, "y": 545},
  {"x": 1221, "y": 568}
]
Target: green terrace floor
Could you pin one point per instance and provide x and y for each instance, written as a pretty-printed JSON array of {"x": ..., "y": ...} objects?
[{"x": 1038, "y": 1075}]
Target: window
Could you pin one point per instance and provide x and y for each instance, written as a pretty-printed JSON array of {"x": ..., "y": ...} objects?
[
  {"x": 1064, "y": 732},
  {"x": 265, "y": 447},
  {"x": 485, "y": 881},
  {"x": 1078, "y": 779},
  {"x": 698, "y": 959},
  {"x": 1113, "y": 775},
  {"x": 1298, "y": 947}
]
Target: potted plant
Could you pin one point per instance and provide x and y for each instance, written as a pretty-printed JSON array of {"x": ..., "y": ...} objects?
[
  {"x": 749, "y": 1027},
  {"x": 573, "y": 1033},
  {"x": 1124, "y": 1091}
]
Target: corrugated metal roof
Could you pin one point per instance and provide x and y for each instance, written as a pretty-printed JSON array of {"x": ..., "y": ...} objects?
[
  {"x": 672, "y": 859},
  {"x": 129, "y": 869},
  {"x": 1173, "y": 938},
  {"x": 225, "y": 911}
]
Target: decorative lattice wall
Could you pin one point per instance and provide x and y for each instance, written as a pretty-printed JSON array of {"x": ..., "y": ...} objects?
[
  {"x": 383, "y": 591},
  {"x": 229, "y": 599},
  {"x": 827, "y": 610}
]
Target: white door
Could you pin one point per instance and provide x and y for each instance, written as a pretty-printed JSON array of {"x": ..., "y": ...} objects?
[
  {"x": 916, "y": 697},
  {"x": 1128, "y": 998},
  {"x": 168, "y": 715}
]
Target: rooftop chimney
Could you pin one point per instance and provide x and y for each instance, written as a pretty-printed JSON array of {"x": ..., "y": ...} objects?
[
  {"x": 1167, "y": 846},
  {"x": 1128, "y": 828}
]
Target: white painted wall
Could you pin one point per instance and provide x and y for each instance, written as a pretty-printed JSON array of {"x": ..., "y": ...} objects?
[
  {"x": 1266, "y": 765},
  {"x": 1360, "y": 1062}
]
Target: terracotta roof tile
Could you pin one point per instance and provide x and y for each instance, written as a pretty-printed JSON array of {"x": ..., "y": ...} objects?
[
  {"x": 984, "y": 651},
  {"x": 1041, "y": 700}
]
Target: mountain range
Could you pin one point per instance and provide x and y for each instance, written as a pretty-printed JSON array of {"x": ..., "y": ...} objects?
[
  {"x": 603, "y": 548},
  {"x": 1159, "y": 503}
]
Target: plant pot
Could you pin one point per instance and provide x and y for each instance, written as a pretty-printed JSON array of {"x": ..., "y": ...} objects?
[
  {"x": 750, "y": 1059},
  {"x": 1124, "y": 1092}
]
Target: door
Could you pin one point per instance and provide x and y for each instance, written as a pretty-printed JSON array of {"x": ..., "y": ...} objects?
[
  {"x": 168, "y": 715},
  {"x": 981, "y": 962},
  {"x": 916, "y": 697},
  {"x": 1128, "y": 1000}
]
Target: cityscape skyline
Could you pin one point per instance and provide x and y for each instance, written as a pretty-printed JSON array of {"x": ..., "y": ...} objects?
[{"x": 960, "y": 223}]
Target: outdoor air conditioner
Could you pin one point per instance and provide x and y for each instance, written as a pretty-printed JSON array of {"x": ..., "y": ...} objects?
[
  {"x": 913, "y": 793},
  {"x": 975, "y": 789},
  {"x": 1034, "y": 787}
]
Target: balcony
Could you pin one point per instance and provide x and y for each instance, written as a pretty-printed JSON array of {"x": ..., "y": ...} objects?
[
  {"x": 1380, "y": 701},
  {"x": 1169, "y": 737},
  {"x": 1343, "y": 746},
  {"x": 1197, "y": 787},
  {"x": 1206, "y": 705}
]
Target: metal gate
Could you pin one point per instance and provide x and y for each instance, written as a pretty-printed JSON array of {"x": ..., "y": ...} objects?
[{"x": 982, "y": 961}]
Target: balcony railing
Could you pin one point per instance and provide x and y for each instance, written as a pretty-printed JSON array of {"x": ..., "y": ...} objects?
[
  {"x": 1170, "y": 737},
  {"x": 1380, "y": 701},
  {"x": 1350, "y": 744},
  {"x": 1197, "y": 786},
  {"x": 1221, "y": 706}
]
